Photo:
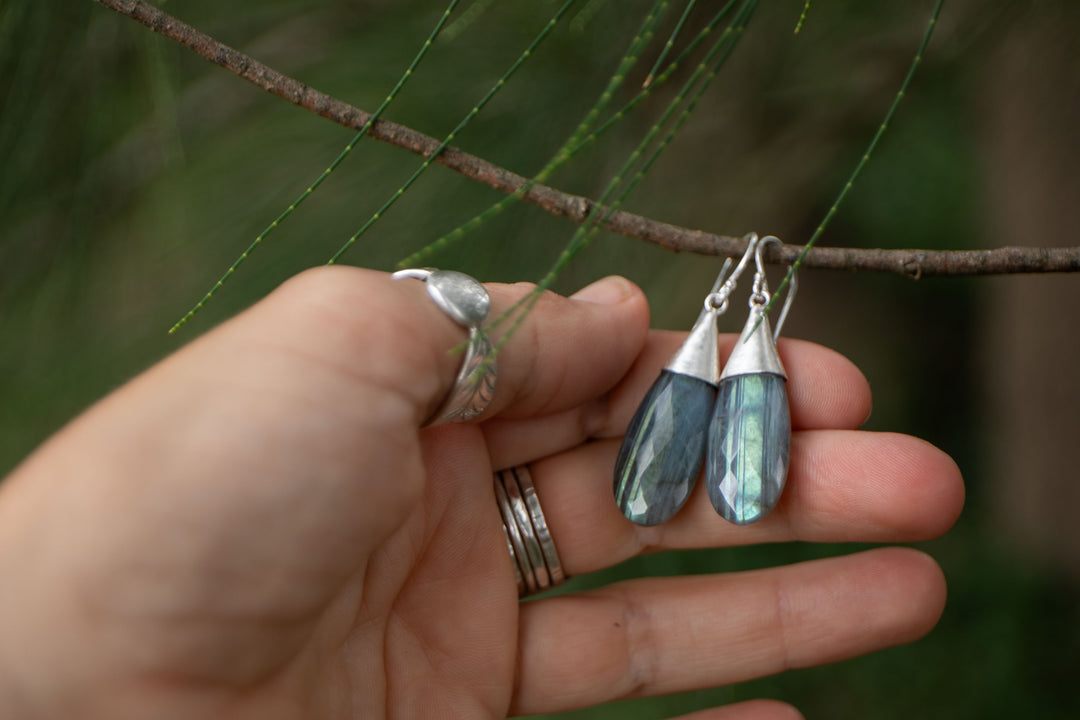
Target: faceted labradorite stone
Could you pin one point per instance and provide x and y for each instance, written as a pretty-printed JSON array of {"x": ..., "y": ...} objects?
[
  {"x": 663, "y": 448},
  {"x": 749, "y": 446}
]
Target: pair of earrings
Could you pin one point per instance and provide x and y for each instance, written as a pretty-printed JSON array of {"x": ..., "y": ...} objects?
[{"x": 745, "y": 444}]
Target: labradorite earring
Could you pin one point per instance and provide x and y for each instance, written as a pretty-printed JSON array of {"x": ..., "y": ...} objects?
[{"x": 749, "y": 437}]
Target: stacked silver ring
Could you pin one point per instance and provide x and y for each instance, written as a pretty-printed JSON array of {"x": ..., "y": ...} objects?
[{"x": 536, "y": 562}]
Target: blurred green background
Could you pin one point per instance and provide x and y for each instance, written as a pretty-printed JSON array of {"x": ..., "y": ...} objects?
[{"x": 134, "y": 172}]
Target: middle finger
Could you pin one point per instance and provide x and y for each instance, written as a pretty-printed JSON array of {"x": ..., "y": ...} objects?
[
  {"x": 825, "y": 391},
  {"x": 843, "y": 486}
]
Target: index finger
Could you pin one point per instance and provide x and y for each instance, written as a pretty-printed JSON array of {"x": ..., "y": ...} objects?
[{"x": 565, "y": 351}]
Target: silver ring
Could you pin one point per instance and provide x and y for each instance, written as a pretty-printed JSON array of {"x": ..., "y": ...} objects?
[
  {"x": 532, "y": 550},
  {"x": 526, "y": 580},
  {"x": 467, "y": 303}
]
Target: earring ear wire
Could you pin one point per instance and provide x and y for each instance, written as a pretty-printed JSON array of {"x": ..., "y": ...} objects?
[{"x": 792, "y": 289}]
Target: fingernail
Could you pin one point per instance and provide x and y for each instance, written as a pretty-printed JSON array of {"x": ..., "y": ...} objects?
[{"x": 606, "y": 291}]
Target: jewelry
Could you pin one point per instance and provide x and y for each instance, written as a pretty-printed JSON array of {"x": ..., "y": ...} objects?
[
  {"x": 532, "y": 551},
  {"x": 466, "y": 301},
  {"x": 664, "y": 446},
  {"x": 749, "y": 439}
]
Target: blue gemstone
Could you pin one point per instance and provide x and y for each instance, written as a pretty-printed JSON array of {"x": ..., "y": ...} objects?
[
  {"x": 663, "y": 448},
  {"x": 749, "y": 447}
]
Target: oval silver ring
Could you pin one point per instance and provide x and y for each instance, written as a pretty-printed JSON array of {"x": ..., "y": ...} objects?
[{"x": 464, "y": 299}]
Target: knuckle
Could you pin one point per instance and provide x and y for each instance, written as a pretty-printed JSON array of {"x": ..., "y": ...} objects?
[
  {"x": 318, "y": 286},
  {"x": 641, "y": 659}
]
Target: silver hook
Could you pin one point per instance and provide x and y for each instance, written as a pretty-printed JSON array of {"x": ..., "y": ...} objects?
[
  {"x": 717, "y": 299},
  {"x": 760, "y": 295},
  {"x": 721, "y": 277}
]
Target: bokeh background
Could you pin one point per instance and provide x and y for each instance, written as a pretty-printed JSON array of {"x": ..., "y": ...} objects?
[{"x": 133, "y": 172}]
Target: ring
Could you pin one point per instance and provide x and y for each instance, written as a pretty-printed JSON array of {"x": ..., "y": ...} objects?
[
  {"x": 532, "y": 551},
  {"x": 467, "y": 303}
]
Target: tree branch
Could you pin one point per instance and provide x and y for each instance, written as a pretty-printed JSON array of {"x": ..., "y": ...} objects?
[{"x": 912, "y": 263}]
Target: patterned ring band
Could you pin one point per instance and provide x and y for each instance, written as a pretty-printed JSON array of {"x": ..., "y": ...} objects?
[
  {"x": 535, "y": 560},
  {"x": 467, "y": 303}
]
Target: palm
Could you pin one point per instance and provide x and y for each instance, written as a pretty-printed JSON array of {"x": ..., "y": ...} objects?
[
  {"x": 424, "y": 627},
  {"x": 439, "y": 617}
]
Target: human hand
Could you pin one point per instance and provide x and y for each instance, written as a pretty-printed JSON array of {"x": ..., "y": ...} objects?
[{"x": 257, "y": 527}]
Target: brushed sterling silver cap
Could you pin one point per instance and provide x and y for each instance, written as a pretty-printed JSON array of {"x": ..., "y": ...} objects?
[
  {"x": 697, "y": 357},
  {"x": 755, "y": 351}
]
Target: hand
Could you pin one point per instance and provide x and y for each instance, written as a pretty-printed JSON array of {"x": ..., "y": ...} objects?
[{"x": 256, "y": 527}]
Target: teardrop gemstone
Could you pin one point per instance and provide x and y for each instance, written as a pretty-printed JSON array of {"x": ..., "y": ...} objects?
[
  {"x": 749, "y": 446},
  {"x": 663, "y": 448}
]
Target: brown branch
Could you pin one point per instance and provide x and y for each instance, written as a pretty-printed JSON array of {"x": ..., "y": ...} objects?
[{"x": 913, "y": 263}]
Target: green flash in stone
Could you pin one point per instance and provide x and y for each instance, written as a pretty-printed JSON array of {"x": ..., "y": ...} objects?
[{"x": 749, "y": 443}]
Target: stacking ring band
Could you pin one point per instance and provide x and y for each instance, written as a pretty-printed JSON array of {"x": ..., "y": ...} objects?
[{"x": 536, "y": 562}]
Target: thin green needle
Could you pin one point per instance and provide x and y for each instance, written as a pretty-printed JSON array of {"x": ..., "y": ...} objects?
[
  {"x": 644, "y": 93},
  {"x": 866, "y": 155},
  {"x": 563, "y": 154},
  {"x": 640, "y": 41},
  {"x": 325, "y": 173},
  {"x": 714, "y": 69},
  {"x": 562, "y": 157},
  {"x": 802, "y": 18},
  {"x": 708, "y": 68},
  {"x": 670, "y": 43},
  {"x": 705, "y": 73},
  {"x": 453, "y": 133}
]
